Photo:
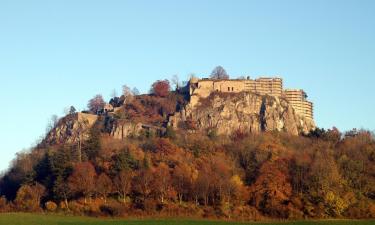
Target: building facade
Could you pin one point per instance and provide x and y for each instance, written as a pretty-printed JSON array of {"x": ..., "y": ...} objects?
[
  {"x": 298, "y": 99},
  {"x": 273, "y": 86}
]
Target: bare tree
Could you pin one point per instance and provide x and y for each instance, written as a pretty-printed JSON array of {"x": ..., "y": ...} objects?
[
  {"x": 114, "y": 93},
  {"x": 127, "y": 92},
  {"x": 52, "y": 123},
  {"x": 219, "y": 73},
  {"x": 135, "y": 91},
  {"x": 122, "y": 183},
  {"x": 175, "y": 80},
  {"x": 78, "y": 132},
  {"x": 96, "y": 103}
]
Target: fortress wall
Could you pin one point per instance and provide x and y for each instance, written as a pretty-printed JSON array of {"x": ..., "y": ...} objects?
[
  {"x": 235, "y": 86},
  {"x": 263, "y": 86},
  {"x": 89, "y": 118},
  {"x": 269, "y": 86},
  {"x": 297, "y": 98}
]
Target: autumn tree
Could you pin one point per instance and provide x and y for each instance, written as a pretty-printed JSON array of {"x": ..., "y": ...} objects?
[
  {"x": 96, "y": 104},
  {"x": 272, "y": 188},
  {"x": 161, "y": 88},
  {"x": 221, "y": 174},
  {"x": 122, "y": 183},
  {"x": 203, "y": 185},
  {"x": 219, "y": 73},
  {"x": 28, "y": 197},
  {"x": 82, "y": 180},
  {"x": 162, "y": 182},
  {"x": 103, "y": 186},
  {"x": 325, "y": 183},
  {"x": 143, "y": 183},
  {"x": 182, "y": 180},
  {"x": 127, "y": 93}
]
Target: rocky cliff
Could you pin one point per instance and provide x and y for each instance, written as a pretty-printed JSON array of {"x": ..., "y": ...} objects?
[
  {"x": 221, "y": 112},
  {"x": 71, "y": 128},
  {"x": 249, "y": 112}
]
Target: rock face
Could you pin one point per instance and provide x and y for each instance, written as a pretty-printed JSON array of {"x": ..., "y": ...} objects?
[
  {"x": 71, "y": 128},
  {"x": 244, "y": 111},
  {"x": 74, "y": 128},
  {"x": 223, "y": 112}
]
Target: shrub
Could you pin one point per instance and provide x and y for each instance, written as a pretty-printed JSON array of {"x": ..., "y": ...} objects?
[
  {"x": 50, "y": 206},
  {"x": 4, "y": 207},
  {"x": 28, "y": 198},
  {"x": 114, "y": 209},
  {"x": 76, "y": 208}
]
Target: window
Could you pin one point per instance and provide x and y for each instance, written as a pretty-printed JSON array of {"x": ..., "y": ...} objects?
[
  {"x": 232, "y": 88},
  {"x": 228, "y": 88}
]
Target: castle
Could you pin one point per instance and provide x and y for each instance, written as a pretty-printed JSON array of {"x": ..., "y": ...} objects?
[{"x": 273, "y": 86}]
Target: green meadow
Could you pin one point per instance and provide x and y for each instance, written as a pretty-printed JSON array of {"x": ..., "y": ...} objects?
[{"x": 38, "y": 219}]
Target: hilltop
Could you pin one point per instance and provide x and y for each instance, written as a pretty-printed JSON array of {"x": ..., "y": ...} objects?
[{"x": 219, "y": 106}]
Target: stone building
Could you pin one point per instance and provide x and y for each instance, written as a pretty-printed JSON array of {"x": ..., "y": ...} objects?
[
  {"x": 297, "y": 98},
  {"x": 273, "y": 86}
]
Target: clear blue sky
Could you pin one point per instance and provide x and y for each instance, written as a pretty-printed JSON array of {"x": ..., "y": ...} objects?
[{"x": 55, "y": 54}]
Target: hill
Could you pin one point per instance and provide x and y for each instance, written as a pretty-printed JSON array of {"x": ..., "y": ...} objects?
[{"x": 239, "y": 156}]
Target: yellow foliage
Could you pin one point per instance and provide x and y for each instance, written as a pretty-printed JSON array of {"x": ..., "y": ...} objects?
[
  {"x": 51, "y": 206},
  {"x": 236, "y": 180},
  {"x": 335, "y": 204}
]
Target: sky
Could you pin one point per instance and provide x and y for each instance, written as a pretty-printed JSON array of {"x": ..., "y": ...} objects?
[{"x": 54, "y": 54}]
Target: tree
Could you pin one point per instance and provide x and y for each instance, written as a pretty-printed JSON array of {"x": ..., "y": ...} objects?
[
  {"x": 52, "y": 123},
  {"x": 82, "y": 180},
  {"x": 72, "y": 110},
  {"x": 114, "y": 93},
  {"x": 135, "y": 91},
  {"x": 162, "y": 181},
  {"x": 78, "y": 135},
  {"x": 182, "y": 180},
  {"x": 176, "y": 81},
  {"x": 161, "y": 88},
  {"x": 203, "y": 185},
  {"x": 272, "y": 188},
  {"x": 93, "y": 144},
  {"x": 60, "y": 167},
  {"x": 103, "y": 185},
  {"x": 124, "y": 161},
  {"x": 122, "y": 183},
  {"x": 61, "y": 190},
  {"x": 28, "y": 197},
  {"x": 219, "y": 73},
  {"x": 128, "y": 93},
  {"x": 143, "y": 183},
  {"x": 96, "y": 104}
]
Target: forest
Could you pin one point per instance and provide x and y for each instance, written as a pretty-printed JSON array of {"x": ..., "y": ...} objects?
[{"x": 243, "y": 176}]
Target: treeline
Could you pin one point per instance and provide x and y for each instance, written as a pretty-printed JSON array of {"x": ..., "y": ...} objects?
[{"x": 244, "y": 176}]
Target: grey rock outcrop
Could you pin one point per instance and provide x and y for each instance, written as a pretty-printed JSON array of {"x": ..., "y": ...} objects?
[{"x": 244, "y": 111}]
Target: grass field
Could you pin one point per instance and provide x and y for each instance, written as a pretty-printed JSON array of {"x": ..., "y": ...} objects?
[{"x": 31, "y": 219}]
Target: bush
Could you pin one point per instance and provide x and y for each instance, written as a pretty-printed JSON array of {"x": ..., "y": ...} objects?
[
  {"x": 28, "y": 198},
  {"x": 4, "y": 207},
  {"x": 76, "y": 208},
  {"x": 50, "y": 206},
  {"x": 113, "y": 209},
  {"x": 247, "y": 213}
]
